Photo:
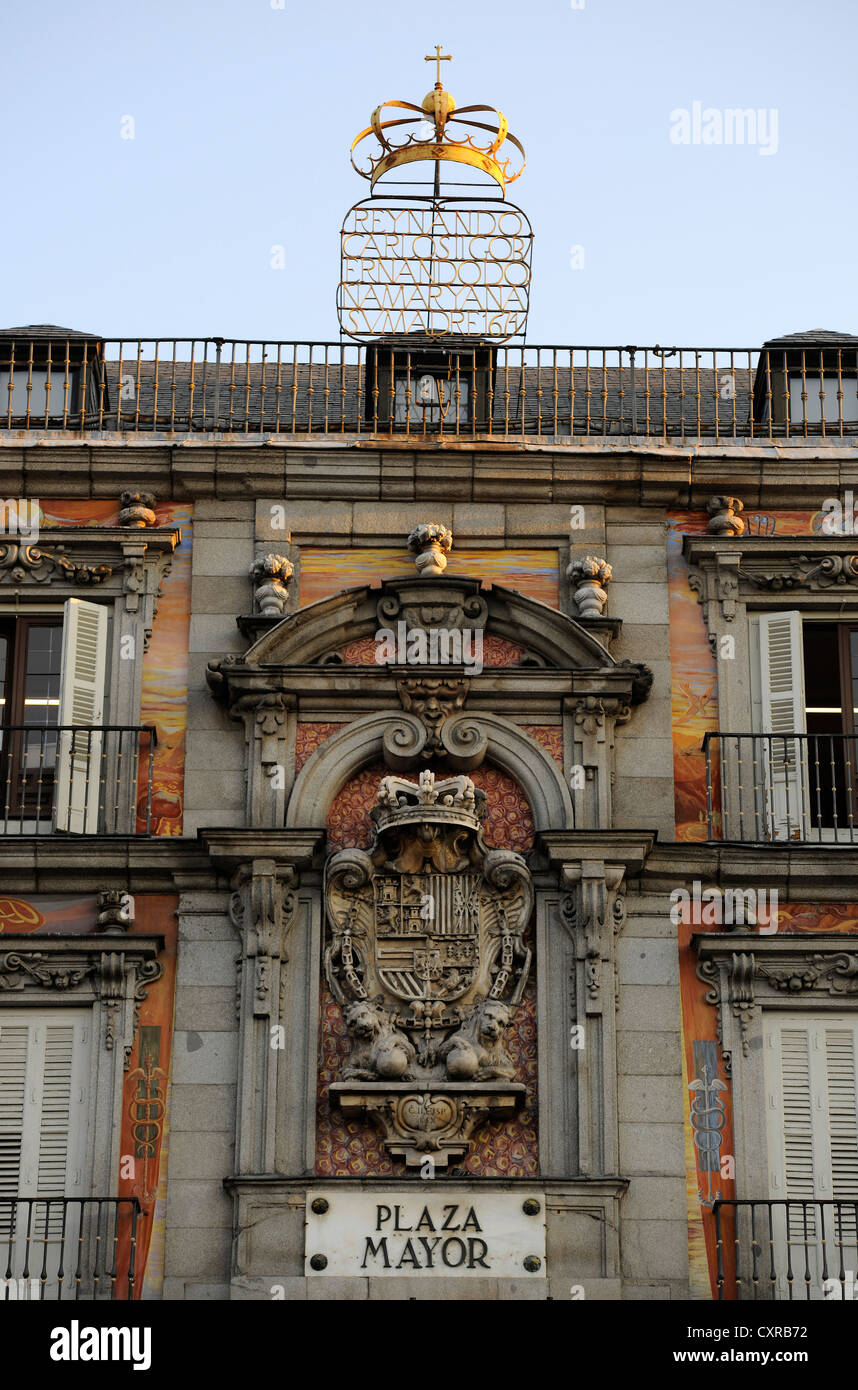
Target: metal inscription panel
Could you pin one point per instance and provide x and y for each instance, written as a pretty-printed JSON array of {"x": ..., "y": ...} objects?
[
  {"x": 437, "y": 1234},
  {"x": 435, "y": 269}
]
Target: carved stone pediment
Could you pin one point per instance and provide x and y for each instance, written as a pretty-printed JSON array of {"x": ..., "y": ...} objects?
[
  {"x": 765, "y": 569},
  {"x": 426, "y": 955},
  {"x": 746, "y": 972}
]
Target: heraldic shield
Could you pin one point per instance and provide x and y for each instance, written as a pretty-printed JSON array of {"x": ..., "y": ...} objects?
[{"x": 426, "y": 954}]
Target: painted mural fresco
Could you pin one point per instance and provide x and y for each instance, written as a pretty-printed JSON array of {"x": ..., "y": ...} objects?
[
  {"x": 165, "y": 664},
  {"x": 694, "y": 695},
  {"x": 145, "y": 1101},
  {"x": 326, "y": 572}
]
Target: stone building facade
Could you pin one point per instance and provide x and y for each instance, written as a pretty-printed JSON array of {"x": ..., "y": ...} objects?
[
  {"x": 427, "y": 838},
  {"x": 577, "y": 738}
]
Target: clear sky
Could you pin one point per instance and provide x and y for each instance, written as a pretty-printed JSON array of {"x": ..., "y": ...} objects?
[{"x": 244, "y": 113}]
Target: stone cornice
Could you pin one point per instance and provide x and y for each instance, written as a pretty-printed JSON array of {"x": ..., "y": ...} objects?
[
  {"x": 44, "y": 864},
  {"x": 643, "y": 471},
  {"x": 800, "y": 873},
  {"x": 630, "y": 848},
  {"x": 324, "y": 692},
  {"x": 230, "y": 848}
]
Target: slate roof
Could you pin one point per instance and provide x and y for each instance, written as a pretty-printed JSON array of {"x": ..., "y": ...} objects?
[
  {"x": 46, "y": 330},
  {"x": 812, "y": 337}
]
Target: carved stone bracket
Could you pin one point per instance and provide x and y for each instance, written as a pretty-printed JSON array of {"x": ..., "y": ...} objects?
[
  {"x": 262, "y": 909},
  {"x": 717, "y": 589},
  {"x": 593, "y": 912},
  {"x": 115, "y": 911},
  {"x": 420, "y": 1120},
  {"x": 433, "y": 725}
]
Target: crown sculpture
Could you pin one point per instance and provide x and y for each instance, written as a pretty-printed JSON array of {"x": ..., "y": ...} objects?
[{"x": 444, "y": 131}]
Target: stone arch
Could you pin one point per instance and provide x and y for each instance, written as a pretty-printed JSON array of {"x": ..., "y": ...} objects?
[{"x": 342, "y": 755}]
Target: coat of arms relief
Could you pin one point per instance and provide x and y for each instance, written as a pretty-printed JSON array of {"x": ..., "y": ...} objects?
[{"x": 426, "y": 955}]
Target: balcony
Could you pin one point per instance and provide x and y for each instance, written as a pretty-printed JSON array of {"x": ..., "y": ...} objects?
[
  {"x": 76, "y": 779},
  {"x": 787, "y": 1249},
  {"x": 782, "y": 787},
  {"x": 68, "y": 1248},
  {"x": 421, "y": 389}
]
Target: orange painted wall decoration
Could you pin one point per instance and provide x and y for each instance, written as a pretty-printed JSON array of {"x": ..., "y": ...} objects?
[{"x": 326, "y": 572}]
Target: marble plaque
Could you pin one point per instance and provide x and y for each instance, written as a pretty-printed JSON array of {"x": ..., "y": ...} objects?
[{"x": 439, "y": 1233}]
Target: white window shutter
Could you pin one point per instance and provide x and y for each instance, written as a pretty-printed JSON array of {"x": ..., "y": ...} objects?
[
  {"x": 84, "y": 666},
  {"x": 782, "y": 705},
  {"x": 811, "y": 1065},
  {"x": 14, "y": 1050}
]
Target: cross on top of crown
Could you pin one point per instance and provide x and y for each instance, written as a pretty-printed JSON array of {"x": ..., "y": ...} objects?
[{"x": 438, "y": 57}]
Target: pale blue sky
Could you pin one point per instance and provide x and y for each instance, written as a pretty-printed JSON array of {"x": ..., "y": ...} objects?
[{"x": 244, "y": 115}]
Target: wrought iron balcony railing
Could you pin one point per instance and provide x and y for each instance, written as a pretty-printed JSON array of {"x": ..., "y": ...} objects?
[
  {"x": 786, "y": 1249},
  {"x": 765, "y": 787},
  {"x": 421, "y": 388},
  {"x": 76, "y": 779},
  {"x": 68, "y": 1248}
]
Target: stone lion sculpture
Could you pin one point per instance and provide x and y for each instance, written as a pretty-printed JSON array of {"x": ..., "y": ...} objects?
[
  {"x": 476, "y": 1052},
  {"x": 381, "y": 1052}
]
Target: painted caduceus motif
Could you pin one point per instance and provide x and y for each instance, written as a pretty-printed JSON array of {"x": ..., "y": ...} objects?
[{"x": 708, "y": 1116}]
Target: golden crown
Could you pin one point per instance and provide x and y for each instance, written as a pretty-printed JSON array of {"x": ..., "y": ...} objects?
[{"x": 439, "y": 113}]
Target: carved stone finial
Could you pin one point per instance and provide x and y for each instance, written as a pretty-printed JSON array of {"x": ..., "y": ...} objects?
[
  {"x": 723, "y": 520},
  {"x": 115, "y": 912},
  {"x": 590, "y": 574},
  {"x": 271, "y": 574},
  {"x": 137, "y": 509},
  {"x": 430, "y": 543}
]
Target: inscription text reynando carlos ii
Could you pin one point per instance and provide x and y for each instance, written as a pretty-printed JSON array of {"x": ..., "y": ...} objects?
[
  {"x": 437, "y": 271},
  {"x": 427, "y": 1243}
]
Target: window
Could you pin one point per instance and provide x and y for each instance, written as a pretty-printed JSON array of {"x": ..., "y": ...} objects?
[
  {"x": 429, "y": 386},
  {"x": 821, "y": 393},
  {"x": 39, "y": 392},
  {"x": 44, "y": 1083},
  {"x": 805, "y": 686},
  {"x": 811, "y": 1080},
  {"x": 52, "y": 688}
]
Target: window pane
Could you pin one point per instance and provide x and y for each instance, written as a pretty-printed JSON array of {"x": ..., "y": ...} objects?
[
  {"x": 813, "y": 406},
  {"x": 38, "y": 392},
  {"x": 42, "y": 676}
]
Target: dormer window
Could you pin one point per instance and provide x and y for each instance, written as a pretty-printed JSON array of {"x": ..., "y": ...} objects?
[
  {"x": 807, "y": 383},
  {"x": 418, "y": 385},
  {"x": 49, "y": 375}
]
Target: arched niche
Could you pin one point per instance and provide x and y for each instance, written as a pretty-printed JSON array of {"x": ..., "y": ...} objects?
[{"x": 342, "y": 755}]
